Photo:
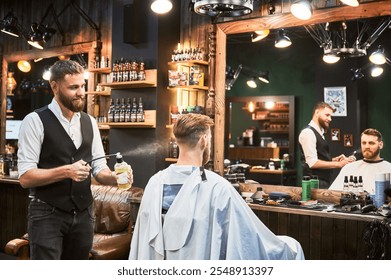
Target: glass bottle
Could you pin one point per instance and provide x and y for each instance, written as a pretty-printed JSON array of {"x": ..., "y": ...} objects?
[
  {"x": 122, "y": 110},
  {"x": 110, "y": 114},
  {"x": 116, "y": 110},
  {"x": 141, "y": 72},
  {"x": 133, "y": 112},
  {"x": 140, "y": 111},
  {"x": 128, "y": 109},
  {"x": 121, "y": 169}
]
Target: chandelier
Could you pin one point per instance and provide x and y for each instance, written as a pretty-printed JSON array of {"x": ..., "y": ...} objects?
[
  {"x": 223, "y": 8},
  {"x": 347, "y": 39}
]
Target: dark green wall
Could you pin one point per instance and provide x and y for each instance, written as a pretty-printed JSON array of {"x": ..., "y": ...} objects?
[{"x": 300, "y": 71}]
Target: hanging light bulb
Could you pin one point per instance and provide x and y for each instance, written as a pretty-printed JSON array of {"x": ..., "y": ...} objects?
[
  {"x": 251, "y": 83},
  {"x": 282, "y": 40},
  {"x": 378, "y": 57},
  {"x": 269, "y": 104},
  {"x": 46, "y": 73},
  {"x": 376, "y": 71},
  {"x": 24, "y": 66},
  {"x": 353, "y": 3},
  {"x": 302, "y": 9},
  {"x": 161, "y": 6},
  {"x": 330, "y": 58},
  {"x": 259, "y": 35}
]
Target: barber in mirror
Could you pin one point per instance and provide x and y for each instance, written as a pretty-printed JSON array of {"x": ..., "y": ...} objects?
[
  {"x": 55, "y": 142},
  {"x": 315, "y": 155}
]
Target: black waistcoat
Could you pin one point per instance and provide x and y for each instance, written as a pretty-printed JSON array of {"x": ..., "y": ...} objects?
[
  {"x": 58, "y": 149},
  {"x": 322, "y": 149}
]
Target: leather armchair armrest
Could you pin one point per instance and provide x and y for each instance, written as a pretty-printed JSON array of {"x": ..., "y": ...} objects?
[
  {"x": 18, "y": 247},
  {"x": 113, "y": 248}
]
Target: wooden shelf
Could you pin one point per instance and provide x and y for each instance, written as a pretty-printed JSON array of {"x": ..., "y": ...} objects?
[
  {"x": 171, "y": 159},
  {"x": 150, "y": 122},
  {"x": 104, "y": 93},
  {"x": 190, "y": 88},
  {"x": 103, "y": 126},
  {"x": 189, "y": 62},
  {"x": 106, "y": 70},
  {"x": 150, "y": 81}
]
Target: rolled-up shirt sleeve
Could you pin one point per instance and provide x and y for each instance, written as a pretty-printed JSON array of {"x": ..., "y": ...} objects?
[
  {"x": 307, "y": 140},
  {"x": 29, "y": 143}
]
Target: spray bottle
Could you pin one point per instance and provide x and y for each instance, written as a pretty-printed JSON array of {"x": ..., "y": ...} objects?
[{"x": 121, "y": 169}]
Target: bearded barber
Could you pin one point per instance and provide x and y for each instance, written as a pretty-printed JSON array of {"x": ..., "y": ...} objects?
[
  {"x": 55, "y": 143},
  {"x": 315, "y": 155}
]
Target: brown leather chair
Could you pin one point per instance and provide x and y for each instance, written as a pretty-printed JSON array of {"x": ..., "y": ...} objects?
[{"x": 115, "y": 216}]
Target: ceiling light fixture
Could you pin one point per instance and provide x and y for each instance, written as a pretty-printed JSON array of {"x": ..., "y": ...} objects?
[
  {"x": 378, "y": 57},
  {"x": 259, "y": 35},
  {"x": 282, "y": 40},
  {"x": 330, "y": 58},
  {"x": 161, "y": 6},
  {"x": 352, "y": 3},
  {"x": 24, "y": 66},
  {"x": 302, "y": 9},
  {"x": 346, "y": 39},
  {"x": 223, "y": 8},
  {"x": 233, "y": 74},
  {"x": 10, "y": 25},
  {"x": 376, "y": 71}
]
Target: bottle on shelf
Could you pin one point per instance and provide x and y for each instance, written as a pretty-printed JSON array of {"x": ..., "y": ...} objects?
[
  {"x": 122, "y": 110},
  {"x": 116, "y": 110},
  {"x": 114, "y": 73},
  {"x": 173, "y": 148},
  {"x": 126, "y": 71},
  {"x": 120, "y": 70},
  {"x": 102, "y": 62},
  {"x": 107, "y": 61},
  {"x": 140, "y": 111},
  {"x": 128, "y": 109},
  {"x": 133, "y": 70},
  {"x": 121, "y": 169},
  {"x": 141, "y": 71},
  {"x": 111, "y": 112},
  {"x": 133, "y": 112}
]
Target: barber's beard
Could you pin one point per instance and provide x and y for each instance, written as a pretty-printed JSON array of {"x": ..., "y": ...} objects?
[
  {"x": 323, "y": 124},
  {"x": 75, "y": 104}
]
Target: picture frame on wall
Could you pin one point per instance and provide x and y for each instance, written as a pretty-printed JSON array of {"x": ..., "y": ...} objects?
[
  {"x": 336, "y": 97},
  {"x": 335, "y": 134},
  {"x": 348, "y": 140}
]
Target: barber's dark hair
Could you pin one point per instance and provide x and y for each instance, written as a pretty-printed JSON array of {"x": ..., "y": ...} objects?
[
  {"x": 322, "y": 105},
  {"x": 189, "y": 128},
  {"x": 373, "y": 132},
  {"x": 64, "y": 67}
]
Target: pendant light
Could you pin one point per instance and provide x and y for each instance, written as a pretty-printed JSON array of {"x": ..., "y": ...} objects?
[
  {"x": 352, "y": 3},
  {"x": 24, "y": 66},
  {"x": 161, "y": 6},
  {"x": 282, "y": 40},
  {"x": 302, "y": 9},
  {"x": 378, "y": 57}
]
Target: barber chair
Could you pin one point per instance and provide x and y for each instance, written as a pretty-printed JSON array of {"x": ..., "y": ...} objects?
[{"x": 115, "y": 216}]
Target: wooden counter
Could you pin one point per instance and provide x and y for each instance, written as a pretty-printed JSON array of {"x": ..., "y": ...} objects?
[
  {"x": 286, "y": 177},
  {"x": 13, "y": 210},
  {"x": 322, "y": 235}
]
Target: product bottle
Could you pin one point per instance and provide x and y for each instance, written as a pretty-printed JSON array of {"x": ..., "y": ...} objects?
[
  {"x": 133, "y": 112},
  {"x": 141, "y": 72},
  {"x": 306, "y": 188},
  {"x": 116, "y": 110},
  {"x": 110, "y": 114},
  {"x": 140, "y": 111},
  {"x": 121, "y": 169},
  {"x": 345, "y": 190},
  {"x": 122, "y": 110},
  {"x": 128, "y": 110},
  {"x": 314, "y": 182}
]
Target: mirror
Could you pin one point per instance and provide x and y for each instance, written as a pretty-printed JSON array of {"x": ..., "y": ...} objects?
[
  {"x": 273, "y": 22},
  {"x": 48, "y": 55}
]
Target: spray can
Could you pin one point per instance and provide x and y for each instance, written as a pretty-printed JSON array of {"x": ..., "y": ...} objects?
[{"x": 121, "y": 169}]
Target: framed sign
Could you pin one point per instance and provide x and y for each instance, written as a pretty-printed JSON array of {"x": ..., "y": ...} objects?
[
  {"x": 336, "y": 97},
  {"x": 335, "y": 134},
  {"x": 348, "y": 140}
]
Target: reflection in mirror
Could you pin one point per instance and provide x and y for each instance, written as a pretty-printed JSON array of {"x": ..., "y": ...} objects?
[{"x": 259, "y": 129}]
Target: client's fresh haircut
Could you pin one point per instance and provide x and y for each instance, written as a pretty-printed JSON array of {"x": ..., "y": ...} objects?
[{"x": 190, "y": 127}]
